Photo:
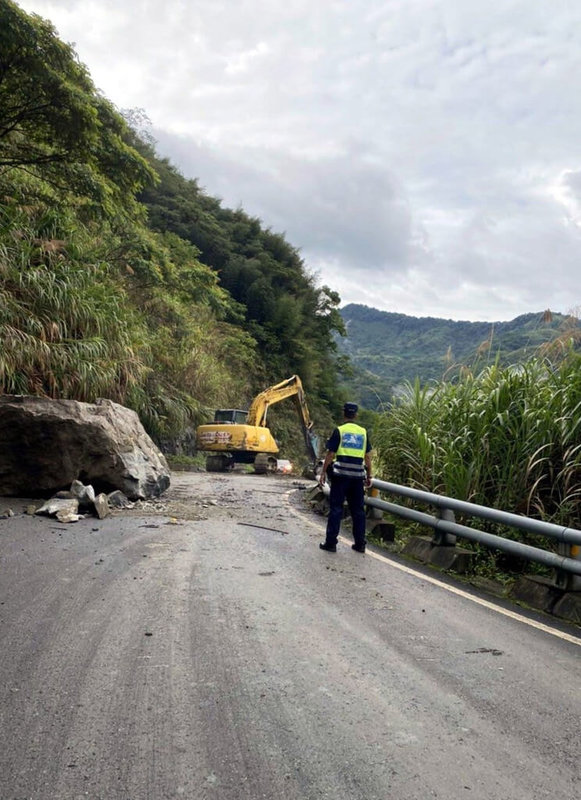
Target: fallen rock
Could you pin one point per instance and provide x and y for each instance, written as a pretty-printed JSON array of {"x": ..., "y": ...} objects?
[
  {"x": 48, "y": 444},
  {"x": 101, "y": 506},
  {"x": 87, "y": 500},
  {"x": 118, "y": 500},
  {"x": 69, "y": 516},
  {"x": 84, "y": 494},
  {"x": 59, "y": 505}
]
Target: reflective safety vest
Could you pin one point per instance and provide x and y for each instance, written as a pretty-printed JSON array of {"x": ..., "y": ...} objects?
[{"x": 351, "y": 451}]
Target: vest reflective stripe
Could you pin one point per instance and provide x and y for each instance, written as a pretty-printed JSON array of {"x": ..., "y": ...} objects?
[
  {"x": 345, "y": 470},
  {"x": 351, "y": 451}
]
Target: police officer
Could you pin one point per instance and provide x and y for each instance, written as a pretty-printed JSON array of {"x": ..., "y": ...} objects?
[{"x": 349, "y": 445}]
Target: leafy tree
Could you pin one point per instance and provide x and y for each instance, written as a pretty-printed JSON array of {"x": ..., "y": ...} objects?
[{"x": 54, "y": 124}]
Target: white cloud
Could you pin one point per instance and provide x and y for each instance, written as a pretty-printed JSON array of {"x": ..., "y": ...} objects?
[{"x": 422, "y": 155}]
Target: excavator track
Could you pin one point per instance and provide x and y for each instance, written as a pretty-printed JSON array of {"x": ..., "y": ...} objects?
[
  {"x": 265, "y": 464},
  {"x": 219, "y": 462}
]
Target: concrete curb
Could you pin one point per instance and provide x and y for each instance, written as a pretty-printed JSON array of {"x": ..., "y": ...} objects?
[
  {"x": 452, "y": 558},
  {"x": 540, "y": 593}
]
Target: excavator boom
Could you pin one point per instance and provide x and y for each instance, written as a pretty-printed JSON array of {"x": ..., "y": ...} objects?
[{"x": 274, "y": 394}]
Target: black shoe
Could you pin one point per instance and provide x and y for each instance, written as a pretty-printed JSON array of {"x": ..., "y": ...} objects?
[
  {"x": 330, "y": 548},
  {"x": 359, "y": 548}
]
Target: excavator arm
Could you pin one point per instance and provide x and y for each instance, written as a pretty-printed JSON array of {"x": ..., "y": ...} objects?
[{"x": 292, "y": 387}]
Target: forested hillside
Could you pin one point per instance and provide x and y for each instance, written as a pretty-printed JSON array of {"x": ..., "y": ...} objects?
[
  {"x": 288, "y": 316},
  {"x": 120, "y": 278},
  {"x": 388, "y": 349}
]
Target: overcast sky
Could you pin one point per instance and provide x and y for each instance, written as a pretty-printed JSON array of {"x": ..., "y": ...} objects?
[{"x": 423, "y": 155}]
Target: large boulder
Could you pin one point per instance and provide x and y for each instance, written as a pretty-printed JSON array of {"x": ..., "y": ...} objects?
[{"x": 46, "y": 444}]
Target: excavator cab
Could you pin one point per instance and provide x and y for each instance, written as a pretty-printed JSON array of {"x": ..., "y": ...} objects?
[{"x": 231, "y": 416}]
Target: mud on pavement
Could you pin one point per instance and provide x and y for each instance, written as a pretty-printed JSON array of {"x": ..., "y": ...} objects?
[
  {"x": 200, "y": 495},
  {"x": 247, "y": 497}
]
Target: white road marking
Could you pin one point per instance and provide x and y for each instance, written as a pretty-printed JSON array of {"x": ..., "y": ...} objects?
[{"x": 452, "y": 589}]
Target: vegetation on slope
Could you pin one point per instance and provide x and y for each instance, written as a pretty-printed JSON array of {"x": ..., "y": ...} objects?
[
  {"x": 119, "y": 277},
  {"x": 507, "y": 438},
  {"x": 291, "y": 319},
  {"x": 389, "y": 349}
]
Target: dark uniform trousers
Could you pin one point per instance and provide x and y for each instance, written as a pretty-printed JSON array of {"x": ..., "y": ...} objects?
[{"x": 350, "y": 489}]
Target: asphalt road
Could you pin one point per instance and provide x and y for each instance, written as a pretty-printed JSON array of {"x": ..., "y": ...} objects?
[{"x": 211, "y": 651}]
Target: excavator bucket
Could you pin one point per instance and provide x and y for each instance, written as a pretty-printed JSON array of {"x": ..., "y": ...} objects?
[{"x": 312, "y": 442}]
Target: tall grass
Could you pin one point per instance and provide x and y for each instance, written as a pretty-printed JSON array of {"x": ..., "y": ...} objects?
[
  {"x": 86, "y": 312},
  {"x": 508, "y": 438},
  {"x": 65, "y": 329}
]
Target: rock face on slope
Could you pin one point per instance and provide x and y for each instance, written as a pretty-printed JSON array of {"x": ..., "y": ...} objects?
[{"x": 46, "y": 444}]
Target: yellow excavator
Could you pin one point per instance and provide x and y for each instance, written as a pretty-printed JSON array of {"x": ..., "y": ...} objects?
[{"x": 241, "y": 437}]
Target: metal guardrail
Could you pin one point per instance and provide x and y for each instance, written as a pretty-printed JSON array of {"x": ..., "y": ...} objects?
[{"x": 567, "y": 562}]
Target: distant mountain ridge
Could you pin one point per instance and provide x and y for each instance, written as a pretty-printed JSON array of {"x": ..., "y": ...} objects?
[{"x": 387, "y": 348}]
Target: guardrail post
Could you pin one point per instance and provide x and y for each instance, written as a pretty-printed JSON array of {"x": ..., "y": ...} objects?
[
  {"x": 375, "y": 525},
  {"x": 372, "y": 512},
  {"x": 441, "y": 537},
  {"x": 567, "y": 580}
]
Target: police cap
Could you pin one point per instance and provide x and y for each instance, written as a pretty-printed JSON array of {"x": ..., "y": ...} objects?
[{"x": 350, "y": 409}]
